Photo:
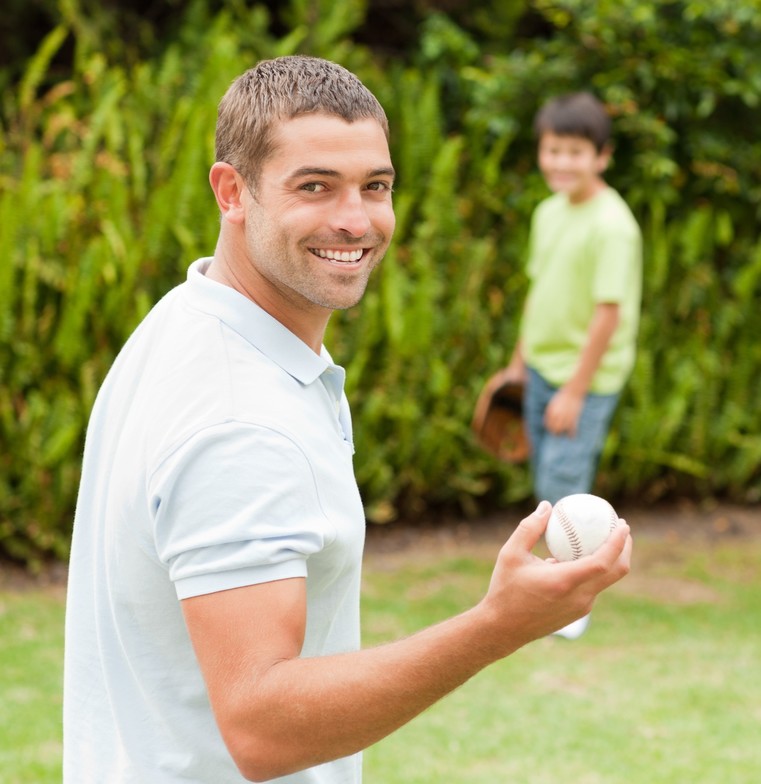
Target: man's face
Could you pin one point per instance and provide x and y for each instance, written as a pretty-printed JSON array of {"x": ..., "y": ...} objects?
[
  {"x": 571, "y": 165},
  {"x": 321, "y": 216}
]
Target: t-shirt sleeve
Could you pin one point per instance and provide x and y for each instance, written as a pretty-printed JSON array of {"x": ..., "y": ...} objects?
[
  {"x": 235, "y": 505},
  {"x": 617, "y": 248}
]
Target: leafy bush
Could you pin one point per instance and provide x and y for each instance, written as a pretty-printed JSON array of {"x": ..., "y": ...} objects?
[
  {"x": 684, "y": 87},
  {"x": 104, "y": 203}
]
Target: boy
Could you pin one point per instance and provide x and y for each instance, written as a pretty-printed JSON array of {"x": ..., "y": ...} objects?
[{"x": 577, "y": 337}]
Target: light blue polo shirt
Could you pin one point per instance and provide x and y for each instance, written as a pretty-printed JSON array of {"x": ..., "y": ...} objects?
[{"x": 218, "y": 455}]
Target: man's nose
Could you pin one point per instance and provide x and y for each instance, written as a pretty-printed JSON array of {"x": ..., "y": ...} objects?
[{"x": 351, "y": 215}]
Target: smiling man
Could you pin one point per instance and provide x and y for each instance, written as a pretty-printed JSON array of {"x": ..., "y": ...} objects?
[
  {"x": 212, "y": 630},
  {"x": 302, "y": 239}
]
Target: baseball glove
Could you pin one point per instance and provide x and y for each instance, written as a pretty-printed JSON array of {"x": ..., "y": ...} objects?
[{"x": 498, "y": 420}]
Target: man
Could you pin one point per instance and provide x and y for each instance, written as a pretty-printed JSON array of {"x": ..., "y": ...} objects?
[{"x": 212, "y": 618}]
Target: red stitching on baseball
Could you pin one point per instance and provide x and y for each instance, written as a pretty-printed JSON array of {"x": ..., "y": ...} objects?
[{"x": 570, "y": 532}]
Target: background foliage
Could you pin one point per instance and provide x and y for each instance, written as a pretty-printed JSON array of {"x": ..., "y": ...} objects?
[{"x": 107, "y": 134}]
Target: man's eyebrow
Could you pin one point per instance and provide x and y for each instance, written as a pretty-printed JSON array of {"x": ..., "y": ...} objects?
[
  {"x": 308, "y": 171},
  {"x": 386, "y": 171}
]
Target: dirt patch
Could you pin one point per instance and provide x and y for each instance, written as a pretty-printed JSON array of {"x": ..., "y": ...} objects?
[
  {"x": 666, "y": 537},
  {"x": 49, "y": 577},
  {"x": 672, "y": 524}
]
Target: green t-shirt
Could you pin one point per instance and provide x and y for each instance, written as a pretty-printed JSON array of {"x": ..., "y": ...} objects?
[{"x": 582, "y": 255}]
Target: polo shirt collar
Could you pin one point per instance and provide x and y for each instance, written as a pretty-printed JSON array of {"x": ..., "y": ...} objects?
[{"x": 255, "y": 325}]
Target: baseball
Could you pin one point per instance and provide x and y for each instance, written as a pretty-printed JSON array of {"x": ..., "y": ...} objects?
[{"x": 578, "y": 525}]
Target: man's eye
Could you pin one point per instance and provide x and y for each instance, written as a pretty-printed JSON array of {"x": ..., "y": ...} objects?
[
  {"x": 313, "y": 187},
  {"x": 379, "y": 186}
]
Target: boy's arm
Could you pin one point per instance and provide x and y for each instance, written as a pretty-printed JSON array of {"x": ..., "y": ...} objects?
[
  {"x": 563, "y": 412},
  {"x": 516, "y": 368}
]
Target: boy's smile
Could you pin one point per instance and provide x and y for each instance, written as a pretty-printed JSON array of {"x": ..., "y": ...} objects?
[{"x": 572, "y": 165}]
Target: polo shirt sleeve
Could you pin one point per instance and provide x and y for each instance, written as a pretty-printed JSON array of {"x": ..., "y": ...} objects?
[{"x": 234, "y": 505}]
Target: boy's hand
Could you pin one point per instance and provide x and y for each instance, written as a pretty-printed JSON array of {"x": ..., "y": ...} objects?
[{"x": 563, "y": 412}]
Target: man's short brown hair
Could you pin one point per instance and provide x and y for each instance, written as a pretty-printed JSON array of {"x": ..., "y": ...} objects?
[{"x": 281, "y": 89}]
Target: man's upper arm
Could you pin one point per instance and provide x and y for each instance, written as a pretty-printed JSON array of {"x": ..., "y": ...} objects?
[{"x": 237, "y": 636}]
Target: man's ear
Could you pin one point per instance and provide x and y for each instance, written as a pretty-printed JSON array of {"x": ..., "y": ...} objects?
[{"x": 228, "y": 187}]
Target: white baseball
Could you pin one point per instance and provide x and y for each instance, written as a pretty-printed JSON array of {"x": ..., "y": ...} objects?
[{"x": 578, "y": 525}]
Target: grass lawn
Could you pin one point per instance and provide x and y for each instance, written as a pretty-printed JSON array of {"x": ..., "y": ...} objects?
[
  {"x": 664, "y": 688},
  {"x": 31, "y": 648}
]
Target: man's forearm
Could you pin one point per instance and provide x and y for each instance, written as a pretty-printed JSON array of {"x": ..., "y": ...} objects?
[
  {"x": 316, "y": 710},
  {"x": 279, "y": 713}
]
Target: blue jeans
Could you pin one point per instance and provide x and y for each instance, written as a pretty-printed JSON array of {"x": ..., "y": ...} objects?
[{"x": 561, "y": 464}]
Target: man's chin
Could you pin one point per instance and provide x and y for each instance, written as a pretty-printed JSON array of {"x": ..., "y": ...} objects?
[
  {"x": 346, "y": 303},
  {"x": 340, "y": 300}
]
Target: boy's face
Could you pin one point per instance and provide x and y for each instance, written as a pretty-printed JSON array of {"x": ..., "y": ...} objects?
[{"x": 572, "y": 165}]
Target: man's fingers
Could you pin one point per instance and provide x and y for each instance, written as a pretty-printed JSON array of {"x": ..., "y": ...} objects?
[
  {"x": 618, "y": 541},
  {"x": 614, "y": 555},
  {"x": 531, "y": 528},
  {"x": 609, "y": 563}
]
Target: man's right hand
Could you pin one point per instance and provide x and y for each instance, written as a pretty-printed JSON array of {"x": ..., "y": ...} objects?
[{"x": 530, "y": 597}]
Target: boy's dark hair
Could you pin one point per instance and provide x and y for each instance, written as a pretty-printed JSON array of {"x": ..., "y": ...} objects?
[{"x": 576, "y": 114}]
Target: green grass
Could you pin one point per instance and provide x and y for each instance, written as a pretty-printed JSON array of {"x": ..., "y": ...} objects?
[
  {"x": 664, "y": 688},
  {"x": 31, "y": 646}
]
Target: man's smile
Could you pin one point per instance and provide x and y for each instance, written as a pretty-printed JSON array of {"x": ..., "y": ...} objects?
[{"x": 338, "y": 255}]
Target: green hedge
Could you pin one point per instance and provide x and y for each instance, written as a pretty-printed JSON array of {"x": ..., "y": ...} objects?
[{"x": 104, "y": 201}]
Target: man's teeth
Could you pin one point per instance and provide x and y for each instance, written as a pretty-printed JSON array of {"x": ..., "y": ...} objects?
[{"x": 339, "y": 255}]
